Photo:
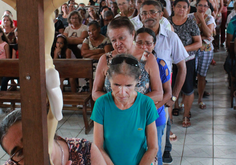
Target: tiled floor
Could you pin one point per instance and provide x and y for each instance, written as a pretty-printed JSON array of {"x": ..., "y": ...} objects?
[{"x": 211, "y": 140}]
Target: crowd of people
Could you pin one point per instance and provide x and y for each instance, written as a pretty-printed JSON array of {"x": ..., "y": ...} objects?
[{"x": 148, "y": 54}]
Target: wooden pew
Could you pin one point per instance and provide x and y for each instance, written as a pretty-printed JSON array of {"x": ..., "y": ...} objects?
[
  {"x": 9, "y": 68},
  {"x": 77, "y": 68}
]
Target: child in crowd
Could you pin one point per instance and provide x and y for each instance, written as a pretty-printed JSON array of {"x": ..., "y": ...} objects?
[
  {"x": 4, "y": 46},
  {"x": 60, "y": 49}
]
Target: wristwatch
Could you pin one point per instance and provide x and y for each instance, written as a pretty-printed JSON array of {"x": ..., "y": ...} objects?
[{"x": 173, "y": 98}]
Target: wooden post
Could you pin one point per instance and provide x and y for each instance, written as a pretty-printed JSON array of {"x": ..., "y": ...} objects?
[{"x": 30, "y": 20}]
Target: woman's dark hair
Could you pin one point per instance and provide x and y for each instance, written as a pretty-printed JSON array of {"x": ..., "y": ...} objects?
[
  {"x": 208, "y": 2},
  {"x": 63, "y": 50},
  {"x": 95, "y": 23},
  {"x": 127, "y": 65},
  {"x": 75, "y": 12},
  {"x": 176, "y": 1},
  {"x": 120, "y": 22},
  {"x": 81, "y": 8},
  {"x": 61, "y": 7},
  {"x": 147, "y": 30},
  {"x": 100, "y": 4},
  {"x": 4, "y": 37},
  {"x": 157, "y": 4},
  {"x": 103, "y": 7}
]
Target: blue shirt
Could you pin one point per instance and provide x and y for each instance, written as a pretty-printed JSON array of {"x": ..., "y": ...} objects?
[
  {"x": 169, "y": 47},
  {"x": 124, "y": 130},
  {"x": 165, "y": 76}
]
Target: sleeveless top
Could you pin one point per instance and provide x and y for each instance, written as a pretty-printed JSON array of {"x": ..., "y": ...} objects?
[{"x": 143, "y": 85}]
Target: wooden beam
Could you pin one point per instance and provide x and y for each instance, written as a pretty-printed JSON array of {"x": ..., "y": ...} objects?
[{"x": 30, "y": 18}]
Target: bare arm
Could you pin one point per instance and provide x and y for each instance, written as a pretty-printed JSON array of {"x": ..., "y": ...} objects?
[
  {"x": 7, "y": 50},
  {"x": 206, "y": 29},
  {"x": 221, "y": 6},
  {"x": 228, "y": 40},
  {"x": 96, "y": 156},
  {"x": 68, "y": 53},
  {"x": 76, "y": 40},
  {"x": 167, "y": 94},
  {"x": 87, "y": 53},
  {"x": 98, "y": 135},
  {"x": 180, "y": 78},
  {"x": 197, "y": 43},
  {"x": 151, "y": 133},
  {"x": 166, "y": 14},
  {"x": 155, "y": 82},
  {"x": 99, "y": 78},
  {"x": 13, "y": 54}
]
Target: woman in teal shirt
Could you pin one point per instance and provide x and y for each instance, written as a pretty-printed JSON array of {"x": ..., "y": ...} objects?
[{"x": 124, "y": 120}]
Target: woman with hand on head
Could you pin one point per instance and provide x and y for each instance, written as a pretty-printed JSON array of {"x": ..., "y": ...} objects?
[
  {"x": 96, "y": 44},
  {"x": 146, "y": 39},
  {"x": 191, "y": 40},
  {"x": 75, "y": 33},
  {"x": 121, "y": 33},
  {"x": 124, "y": 119},
  {"x": 204, "y": 55}
]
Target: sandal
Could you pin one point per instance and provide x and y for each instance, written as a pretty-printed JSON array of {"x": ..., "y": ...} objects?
[
  {"x": 186, "y": 122},
  {"x": 173, "y": 138},
  {"x": 181, "y": 106},
  {"x": 202, "y": 105},
  {"x": 205, "y": 94},
  {"x": 190, "y": 115},
  {"x": 175, "y": 112}
]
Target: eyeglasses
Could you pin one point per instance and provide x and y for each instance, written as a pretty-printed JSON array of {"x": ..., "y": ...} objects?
[
  {"x": 147, "y": 43},
  {"x": 151, "y": 12},
  {"x": 128, "y": 60},
  {"x": 200, "y": 5},
  {"x": 17, "y": 156},
  {"x": 180, "y": 6}
]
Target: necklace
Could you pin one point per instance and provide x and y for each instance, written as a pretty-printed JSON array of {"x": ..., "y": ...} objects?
[{"x": 62, "y": 152}]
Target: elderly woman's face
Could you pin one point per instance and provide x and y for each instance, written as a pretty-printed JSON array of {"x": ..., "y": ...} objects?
[
  {"x": 181, "y": 9},
  {"x": 121, "y": 39},
  {"x": 74, "y": 19},
  {"x": 13, "y": 143},
  {"x": 6, "y": 21},
  {"x": 93, "y": 32},
  {"x": 145, "y": 41},
  {"x": 123, "y": 87}
]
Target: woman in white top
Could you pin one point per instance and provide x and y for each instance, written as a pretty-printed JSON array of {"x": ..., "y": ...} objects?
[{"x": 76, "y": 32}]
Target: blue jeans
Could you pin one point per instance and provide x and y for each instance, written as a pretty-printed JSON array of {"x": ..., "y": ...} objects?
[
  {"x": 168, "y": 146},
  {"x": 160, "y": 132}
]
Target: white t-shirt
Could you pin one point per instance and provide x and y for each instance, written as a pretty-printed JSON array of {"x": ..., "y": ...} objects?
[{"x": 75, "y": 32}]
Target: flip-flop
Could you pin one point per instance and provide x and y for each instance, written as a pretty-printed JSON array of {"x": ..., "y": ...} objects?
[
  {"x": 173, "y": 138},
  {"x": 202, "y": 105}
]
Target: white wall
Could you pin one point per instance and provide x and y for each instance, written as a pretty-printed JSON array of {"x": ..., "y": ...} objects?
[{"x": 3, "y": 7}]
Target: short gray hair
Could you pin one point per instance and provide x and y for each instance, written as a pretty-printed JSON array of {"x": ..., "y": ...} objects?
[{"x": 7, "y": 122}]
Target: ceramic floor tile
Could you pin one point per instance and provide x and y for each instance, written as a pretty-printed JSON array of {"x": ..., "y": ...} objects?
[
  {"x": 180, "y": 138},
  {"x": 227, "y": 151},
  {"x": 224, "y": 111},
  {"x": 198, "y": 139},
  {"x": 198, "y": 151},
  {"x": 196, "y": 161},
  {"x": 225, "y": 119},
  {"x": 225, "y": 139},
  {"x": 219, "y": 104},
  {"x": 200, "y": 129},
  {"x": 177, "y": 150},
  {"x": 2, "y": 152},
  {"x": 68, "y": 132},
  {"x": 177, "y": 129},
  {"x": 88, "y": 137},
  {"x": 221, "y": 98},
  {"x": 176, "y": 161},
  {"x": 224, "y": 129},
  {"x": 224, "y": 161}
]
